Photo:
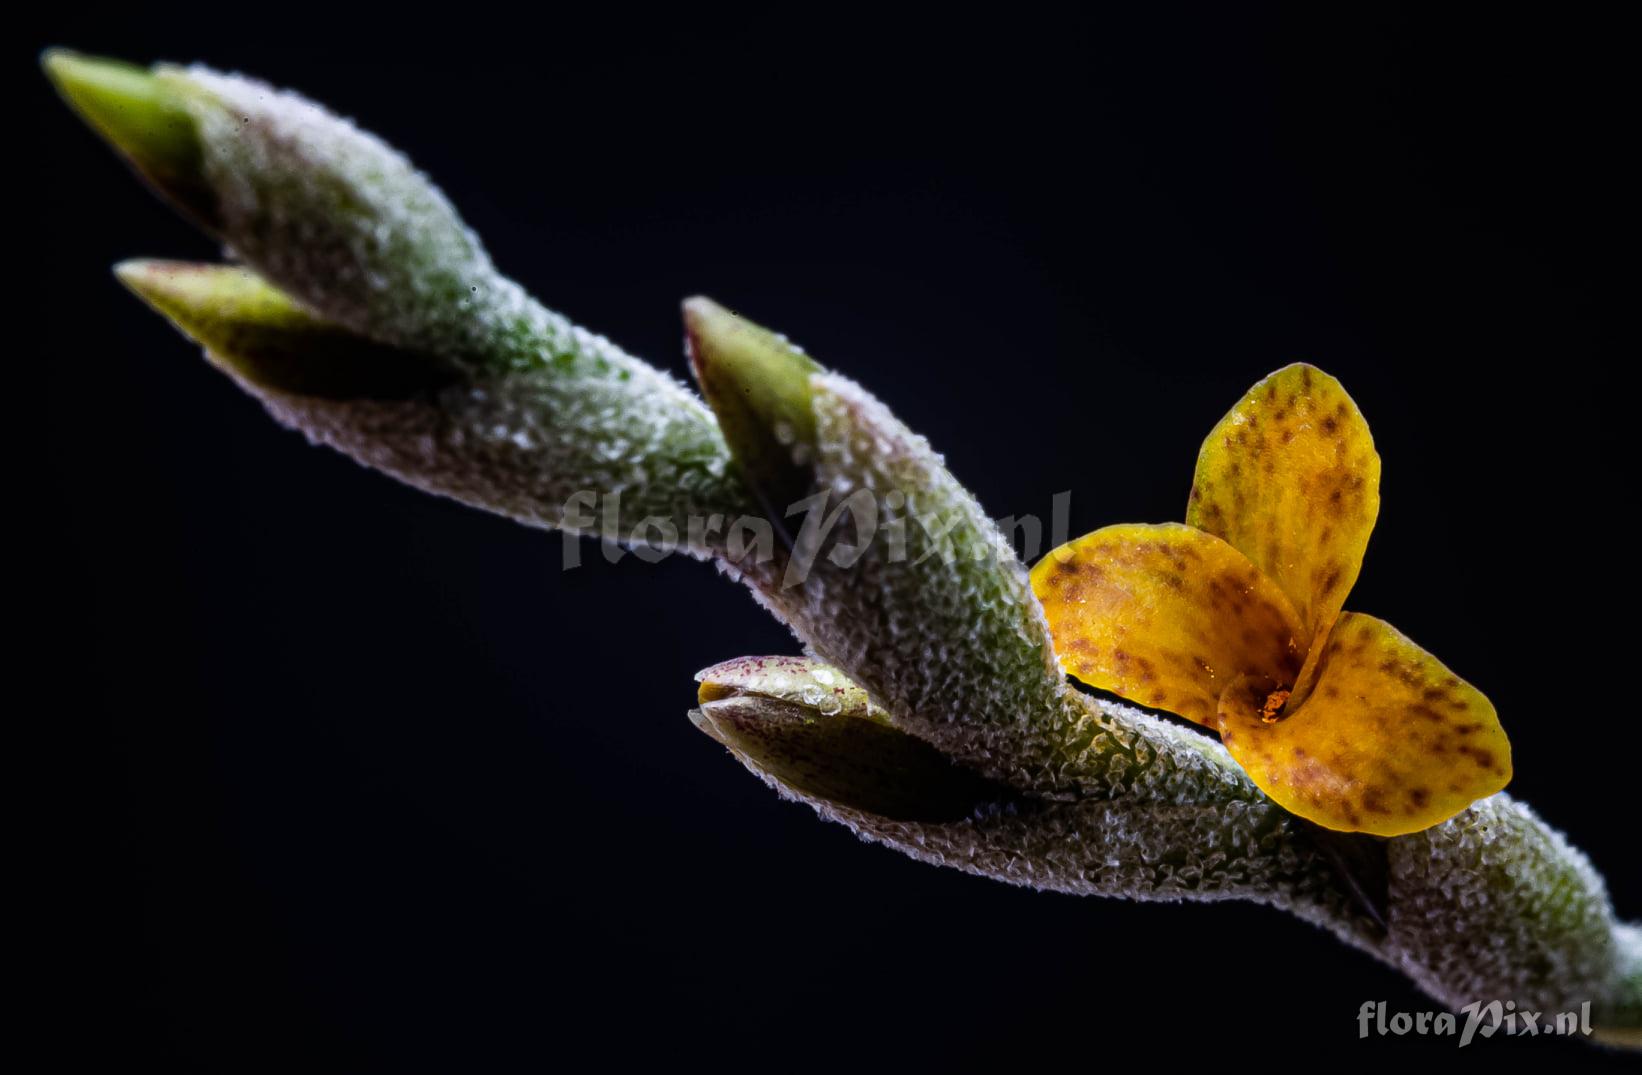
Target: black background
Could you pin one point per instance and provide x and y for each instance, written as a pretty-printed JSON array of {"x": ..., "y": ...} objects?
[{"x": 353, "y": 775}]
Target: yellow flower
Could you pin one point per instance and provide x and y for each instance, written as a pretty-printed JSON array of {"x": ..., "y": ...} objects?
[{"x": 1234, "y": 621}]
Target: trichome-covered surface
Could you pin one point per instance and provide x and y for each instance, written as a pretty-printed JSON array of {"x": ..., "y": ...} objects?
[{"x": 930, "y": 714}]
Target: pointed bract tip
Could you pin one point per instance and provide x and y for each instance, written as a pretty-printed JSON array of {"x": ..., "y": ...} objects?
[
  {"x": 715, "y": 332},
  {"x": 698, "y": 309},
  {"x": 132, "y": 271},
  {"x": 836, "y": 752},
  {"x": 705, "y": 725},
  {"x": 196, "y": 296},
  {"x": 138, "y": 273},
  {"x": 758, "y": 385},
  {"x": 263, "y": 339},
  {"x": 143, "y": 118},
  {"x": 70, "y": 70}
]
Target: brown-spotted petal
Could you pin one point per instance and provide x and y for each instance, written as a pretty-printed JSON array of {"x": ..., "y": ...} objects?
[
  {"x": 1290, "y": 477},
  {"x": 1166, "y": 616},
  {"x": 1389, "y": 742}
]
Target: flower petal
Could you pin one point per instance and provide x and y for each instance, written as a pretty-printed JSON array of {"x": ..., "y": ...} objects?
[
  {"x": 1291, "y": 479},
  {"x": 1390, "y": 741},
  {"x": 1166, "y": 616}
]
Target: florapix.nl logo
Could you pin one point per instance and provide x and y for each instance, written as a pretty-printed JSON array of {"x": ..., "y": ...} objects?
[
  {"x": 1477, "y": 1019},
  {"x": 895, "y": 525}
]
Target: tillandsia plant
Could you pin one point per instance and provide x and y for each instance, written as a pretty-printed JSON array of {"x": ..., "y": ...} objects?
[{"x": 1355, "y": 782}]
